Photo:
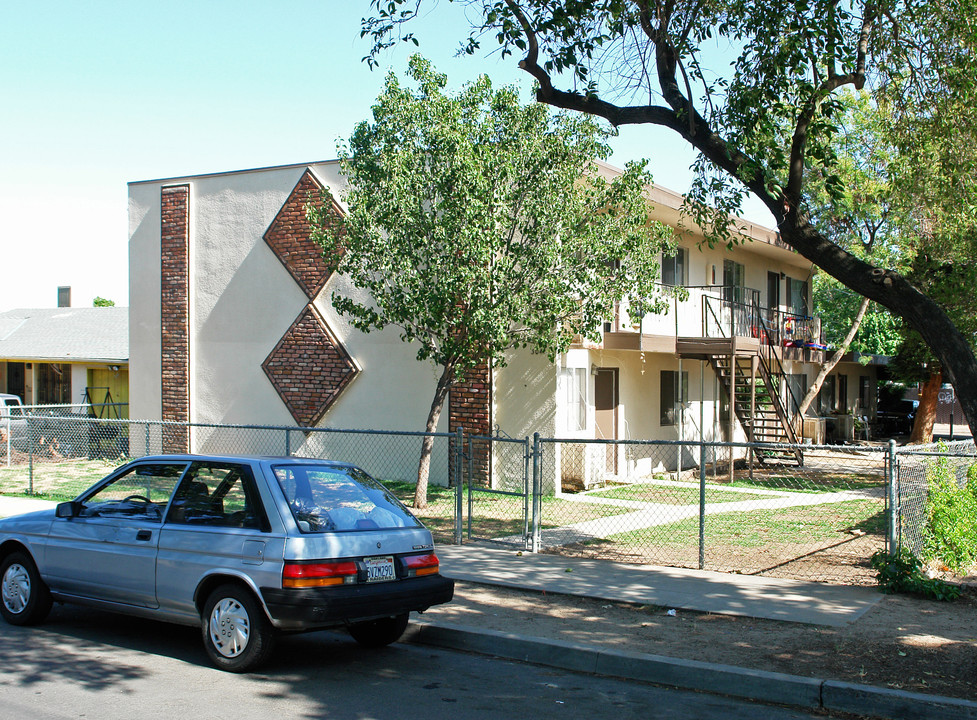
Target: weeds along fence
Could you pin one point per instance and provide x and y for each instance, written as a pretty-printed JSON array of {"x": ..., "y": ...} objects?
[
  {"x": 716, "y": 506},
  {"x": 915, "y": 466}
]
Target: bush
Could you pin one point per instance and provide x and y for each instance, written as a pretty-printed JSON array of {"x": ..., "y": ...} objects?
[
  {"x": 950, "y": 533},
  {"x": 903, "y": 573}
]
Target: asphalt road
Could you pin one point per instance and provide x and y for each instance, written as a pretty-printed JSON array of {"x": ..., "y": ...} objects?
[{"x": 88, "y": 664}]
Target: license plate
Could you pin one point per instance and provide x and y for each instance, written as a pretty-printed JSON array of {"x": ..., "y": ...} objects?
[{"x": 380, "y": 569}]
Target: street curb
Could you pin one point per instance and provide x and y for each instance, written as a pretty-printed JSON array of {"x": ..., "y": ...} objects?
[{"x": 761, "y": 685}]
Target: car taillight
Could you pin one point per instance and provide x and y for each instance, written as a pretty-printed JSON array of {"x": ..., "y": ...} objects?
[
  {"x": 305, "y": 575},
  {"x": 418, "y": 565}
]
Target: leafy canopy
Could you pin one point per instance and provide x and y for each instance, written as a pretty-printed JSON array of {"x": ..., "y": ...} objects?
[{"x": 479, "y": 225}]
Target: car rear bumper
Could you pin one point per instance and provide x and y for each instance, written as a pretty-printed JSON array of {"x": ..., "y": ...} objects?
[{"x": 299, "y": 609}]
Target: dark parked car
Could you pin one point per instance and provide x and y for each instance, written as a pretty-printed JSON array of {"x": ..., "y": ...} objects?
[
  {"x": 897, "y": 418},
  {"x": 243, "y": 547}
]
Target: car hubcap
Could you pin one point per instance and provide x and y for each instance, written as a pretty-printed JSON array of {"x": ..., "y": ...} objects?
[
  {"x": 230, "y": 627},
  {"x": 16, "y": 588}
]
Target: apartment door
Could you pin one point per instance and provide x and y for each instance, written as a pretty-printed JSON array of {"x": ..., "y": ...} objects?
[{"x": 605, "y": 406}]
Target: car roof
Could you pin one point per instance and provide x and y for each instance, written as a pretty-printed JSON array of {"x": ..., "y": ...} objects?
[{"x": 271, "y": 459}]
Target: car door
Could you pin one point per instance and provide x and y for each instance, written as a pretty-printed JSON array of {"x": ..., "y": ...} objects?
[
  {"x": 216, "y": 523},
  {"x": 107, "y": 549}
]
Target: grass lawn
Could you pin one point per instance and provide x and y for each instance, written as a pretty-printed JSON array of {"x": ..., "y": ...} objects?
[
  {"x": 495, "y": 515},
  {"x": 668, "y": 495},
  {"x": 55, "y": 481},
  {"x": 808, "y": 525}
]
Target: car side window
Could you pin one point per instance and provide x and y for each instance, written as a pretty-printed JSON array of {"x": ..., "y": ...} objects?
[
  {"x": 140, "y": 493},
  {"x": 217, "y": 495}
]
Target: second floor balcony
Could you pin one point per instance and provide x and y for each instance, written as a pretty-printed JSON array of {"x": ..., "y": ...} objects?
[{"x": 718, "y": 313}]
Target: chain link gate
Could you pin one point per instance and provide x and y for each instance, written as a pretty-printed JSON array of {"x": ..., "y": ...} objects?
[{"x": 500, "y": 490}]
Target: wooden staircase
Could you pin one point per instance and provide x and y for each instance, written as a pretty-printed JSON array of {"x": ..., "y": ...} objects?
[{"x": 758, "y": 406}]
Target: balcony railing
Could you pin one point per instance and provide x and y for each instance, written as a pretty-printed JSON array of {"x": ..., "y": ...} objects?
[{"x": 718, "y": 311}]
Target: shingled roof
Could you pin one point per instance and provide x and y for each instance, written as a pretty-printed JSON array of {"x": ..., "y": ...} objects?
[{"x": 95, "y": 334}]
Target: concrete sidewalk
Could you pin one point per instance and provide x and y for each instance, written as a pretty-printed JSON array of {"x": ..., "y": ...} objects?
[{"x": 704, "y": 591}]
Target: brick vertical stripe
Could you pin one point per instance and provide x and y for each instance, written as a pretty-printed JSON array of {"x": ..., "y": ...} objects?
[
  {"x": 175, "y": 314},
  {"x": 470, "y": 408}
]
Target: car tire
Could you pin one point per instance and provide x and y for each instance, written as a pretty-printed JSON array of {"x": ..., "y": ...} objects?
[
  {"x": 379, "y": 632},
  {"x": 24, "y": 597},
  {"x": 236, "y": 633}
]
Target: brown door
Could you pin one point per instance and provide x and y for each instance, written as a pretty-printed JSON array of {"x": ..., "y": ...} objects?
[{"x": 605, "y": 405}]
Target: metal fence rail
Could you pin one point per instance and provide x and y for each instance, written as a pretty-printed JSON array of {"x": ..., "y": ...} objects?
[{"x": 733, "y": 507}]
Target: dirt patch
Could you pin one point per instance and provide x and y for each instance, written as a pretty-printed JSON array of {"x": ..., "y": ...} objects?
[{"x": 903, "y": 642}]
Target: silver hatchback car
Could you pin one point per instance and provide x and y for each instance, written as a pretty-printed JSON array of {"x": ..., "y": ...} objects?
[{"x": 243, "y": 547}]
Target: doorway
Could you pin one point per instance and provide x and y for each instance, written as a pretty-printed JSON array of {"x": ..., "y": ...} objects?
[{"x": 605, "y": 407}]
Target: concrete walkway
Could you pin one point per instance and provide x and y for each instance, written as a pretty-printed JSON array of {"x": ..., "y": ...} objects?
[{"x": 701, "y": 590}]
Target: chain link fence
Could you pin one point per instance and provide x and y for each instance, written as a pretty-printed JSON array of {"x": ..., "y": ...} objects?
[
  {"x": 717, "y": 506},
  {"x": 914, "y": 467}
]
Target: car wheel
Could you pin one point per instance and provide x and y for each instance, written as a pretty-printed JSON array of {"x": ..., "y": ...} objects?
[
  {"x": 236, "y": 633},
  {"x": 379, "y": 632},
  {"x": 26, "y": 599}
]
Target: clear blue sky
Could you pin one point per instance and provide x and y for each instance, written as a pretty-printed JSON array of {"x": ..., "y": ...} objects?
[{"x": 98, "y": 94}]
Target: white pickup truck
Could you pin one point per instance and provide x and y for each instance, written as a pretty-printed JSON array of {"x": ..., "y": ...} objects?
[{"x": 13, "y": 424}]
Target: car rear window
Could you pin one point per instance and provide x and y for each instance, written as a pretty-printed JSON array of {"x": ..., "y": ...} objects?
[{"x": 326, "y": 498}]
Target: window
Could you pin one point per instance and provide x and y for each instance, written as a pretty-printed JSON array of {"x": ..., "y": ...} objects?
[
  {"x": 826, "y": 396},
  {"x": 53, "y": 383},
  {"x": 218, "y": 495},
  {"x": 734, "y": 282},
  {"x": 797, "y": 296},
  {"x": 797, "y": 382},
  {"x": 843, "y": 393},
  {"x": 575, "y": 398},
  {"x": 338, "y": 498},
  {"x": 141, "y": 493},
  {"x": 866, "y": 394},
  {"x": 672, "y": 396},
  {"x": 675, "y": 268}
]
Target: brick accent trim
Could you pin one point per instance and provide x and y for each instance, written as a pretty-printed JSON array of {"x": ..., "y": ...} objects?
[
  {"x": 470, "y": 408},
  {"x": 290, "y": 236},
  {"x": 309, "y": 368},
  {"x": 175, "y": 314}
]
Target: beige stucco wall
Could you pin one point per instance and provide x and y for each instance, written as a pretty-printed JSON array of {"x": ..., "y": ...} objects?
[{"x": 242, "y": 301}]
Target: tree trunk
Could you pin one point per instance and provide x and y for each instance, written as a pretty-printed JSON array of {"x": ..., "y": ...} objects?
[
  {"x": 929, "y": 397},
  {"x": 427, "y": 444},
  {"x": 827, "y": 367}
]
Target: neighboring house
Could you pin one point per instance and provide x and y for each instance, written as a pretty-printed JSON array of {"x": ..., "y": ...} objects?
[
  {"x": 231, "y": 321},
  {"x": 65, "y": 355}
]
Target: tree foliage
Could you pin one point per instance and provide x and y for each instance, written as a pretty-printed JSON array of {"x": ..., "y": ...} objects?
[
  {"x": 764, "y": 122},
  {"x": 479, "y": 226}
]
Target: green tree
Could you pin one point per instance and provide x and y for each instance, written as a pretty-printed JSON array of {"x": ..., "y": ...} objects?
[
  {"x": 479, "y": 226},
  {"x": 102, "y": 302},
  {"x": 762, "y": 123}
]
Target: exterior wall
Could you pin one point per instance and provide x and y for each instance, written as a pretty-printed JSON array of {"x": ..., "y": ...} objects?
[{"x": 242, "y": 300}]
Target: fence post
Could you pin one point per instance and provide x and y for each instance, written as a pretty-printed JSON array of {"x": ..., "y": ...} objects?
[
  {"x": 459, "y": 482},
  {"x": 9, "y": 430},
  {"x": 537, "y": 491},
  {"x": 893, "y": 519},
  {"x": 288, "y": 443},
  {"x": 702, "y": 504}
]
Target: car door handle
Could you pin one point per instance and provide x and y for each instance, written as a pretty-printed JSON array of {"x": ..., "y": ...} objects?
[{"x": 144, "y": 535}]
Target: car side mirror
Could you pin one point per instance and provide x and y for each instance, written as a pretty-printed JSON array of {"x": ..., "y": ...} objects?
[{"x": 68, "y": 509}]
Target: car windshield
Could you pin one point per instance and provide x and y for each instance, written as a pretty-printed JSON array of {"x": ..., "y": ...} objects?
[
  {"x": 12, "y": 410},
  {"x": 328, "y": 498}
]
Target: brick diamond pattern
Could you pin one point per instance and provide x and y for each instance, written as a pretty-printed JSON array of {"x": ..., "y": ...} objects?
[
  {"x": 290, "y": 237},
  {"x": 309, "y": 368}
]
